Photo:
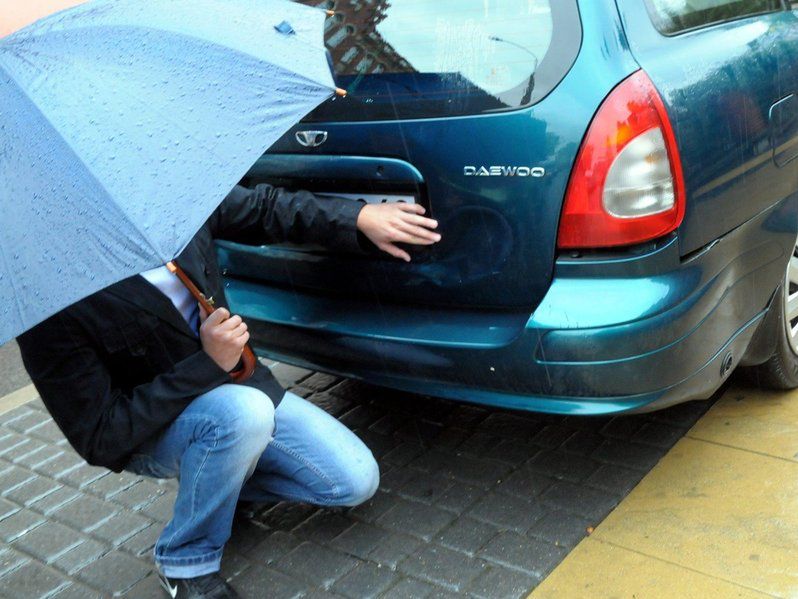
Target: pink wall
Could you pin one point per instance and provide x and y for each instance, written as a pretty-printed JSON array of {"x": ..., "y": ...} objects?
[{"x": 15, "y": 14}]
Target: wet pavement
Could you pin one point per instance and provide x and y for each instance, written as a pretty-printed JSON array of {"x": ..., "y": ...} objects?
[{"x": 474, "y": 502}]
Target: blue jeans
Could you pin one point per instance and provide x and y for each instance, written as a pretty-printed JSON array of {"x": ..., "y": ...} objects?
[{"x": 231, "y": 444}]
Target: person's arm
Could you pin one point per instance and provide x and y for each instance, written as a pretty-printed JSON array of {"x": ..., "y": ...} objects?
[
  {"x": 104, "y": 424},
  {"x": 269, "y": 214}
]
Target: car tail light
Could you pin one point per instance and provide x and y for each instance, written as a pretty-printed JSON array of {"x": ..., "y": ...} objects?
[{"x": 627, "y": 185}]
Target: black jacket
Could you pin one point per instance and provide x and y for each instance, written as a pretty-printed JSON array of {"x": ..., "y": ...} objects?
[{"x": 118, "y": 367}]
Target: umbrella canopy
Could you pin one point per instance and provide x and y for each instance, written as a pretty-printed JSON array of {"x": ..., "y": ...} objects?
[{"x": 124, "y": 123}]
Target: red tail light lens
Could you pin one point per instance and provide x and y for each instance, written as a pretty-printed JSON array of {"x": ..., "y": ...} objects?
[{"x": 627, "y": 185}]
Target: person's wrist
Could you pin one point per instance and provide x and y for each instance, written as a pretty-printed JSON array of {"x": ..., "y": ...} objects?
[
  {"x": 211, "y": 366},
  {"x": 207, "y": 350},
  {"x": 361, "y": 222}
]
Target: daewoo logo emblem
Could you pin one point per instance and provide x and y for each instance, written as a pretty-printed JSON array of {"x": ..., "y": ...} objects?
[
  {"x": 504, "y": 171},
  {"x": 311, "y": 139}
]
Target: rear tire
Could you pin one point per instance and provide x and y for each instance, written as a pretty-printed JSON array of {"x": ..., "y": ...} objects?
[{"x": 780, "y": 371}]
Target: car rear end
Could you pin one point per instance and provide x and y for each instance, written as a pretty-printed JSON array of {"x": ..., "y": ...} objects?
[{"x": 528, "y": 130}]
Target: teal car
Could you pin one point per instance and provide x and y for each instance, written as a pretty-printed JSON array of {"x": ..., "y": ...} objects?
[{"x": 616, "y": 184}]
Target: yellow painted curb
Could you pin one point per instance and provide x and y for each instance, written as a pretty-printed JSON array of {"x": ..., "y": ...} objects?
[
  {"x": 17, "y": 398},
  {"x": 598, "y": 570},
  {"x": 760, "y": 421},
  {"x": 717, "y": 517}
]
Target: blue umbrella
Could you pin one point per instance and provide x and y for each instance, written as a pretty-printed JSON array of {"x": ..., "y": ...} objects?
[{"x": 124, "y": 123}]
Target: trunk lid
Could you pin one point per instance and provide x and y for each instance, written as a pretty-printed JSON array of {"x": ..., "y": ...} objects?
[
  {"x": 484, "y": 147},
  {"x": 498, "y": 229}
]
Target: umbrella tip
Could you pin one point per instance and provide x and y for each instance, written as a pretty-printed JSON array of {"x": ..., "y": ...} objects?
[
  {"x": 340, "y": 92},
  {"x": 330, "y": 13},
  {"x": 172, "y": 267}
]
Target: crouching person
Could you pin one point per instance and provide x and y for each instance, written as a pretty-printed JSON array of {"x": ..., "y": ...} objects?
[{"x": 137, "y": 378}]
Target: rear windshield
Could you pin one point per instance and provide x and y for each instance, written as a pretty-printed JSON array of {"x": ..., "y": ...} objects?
[
  {"x": 428, "y": 58},
  {"x": 675, "y": 16}
]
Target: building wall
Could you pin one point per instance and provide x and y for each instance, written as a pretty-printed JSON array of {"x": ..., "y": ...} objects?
[{"x": 15, "y": 14}]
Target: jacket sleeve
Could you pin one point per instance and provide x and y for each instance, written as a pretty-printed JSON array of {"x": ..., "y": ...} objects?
[
  {"x": 269, "y": 214},
  {"x": 103, "y": 424}
]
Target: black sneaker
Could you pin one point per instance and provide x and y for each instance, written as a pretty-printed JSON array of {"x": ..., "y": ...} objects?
[{"x": 210, "y": 586}]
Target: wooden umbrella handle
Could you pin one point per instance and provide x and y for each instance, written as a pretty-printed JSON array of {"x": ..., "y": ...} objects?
[
  {"x": 248, "y": 363},
  {"x": 248, "y": 358}
]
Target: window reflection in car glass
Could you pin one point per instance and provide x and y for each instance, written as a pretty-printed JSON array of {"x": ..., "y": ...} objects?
[
  {"x": 483, "y": 52},
  {"x": 674, "y": 16},
  {"x": 496, "y": 45}
]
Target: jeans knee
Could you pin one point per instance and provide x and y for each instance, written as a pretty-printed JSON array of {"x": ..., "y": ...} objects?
[
  {"x": 249, "y": 414},
  {"x": 363, "y": 483}
]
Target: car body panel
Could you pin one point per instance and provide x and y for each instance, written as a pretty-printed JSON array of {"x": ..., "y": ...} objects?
[
  {"x": 720, "y": 84},
  {"x": 784, "y": 130}
]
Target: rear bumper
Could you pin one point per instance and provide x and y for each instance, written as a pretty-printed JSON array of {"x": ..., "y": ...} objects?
[{"x": 611, "y": 335}]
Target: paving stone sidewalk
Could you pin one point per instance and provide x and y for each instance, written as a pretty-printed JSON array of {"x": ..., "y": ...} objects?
[{"x": 474, "y": 502}]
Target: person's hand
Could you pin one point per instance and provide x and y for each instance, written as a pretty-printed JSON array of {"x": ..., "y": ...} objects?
[
  {"x": 223, "y": 337},
  {"x": 388, "y": 224}
]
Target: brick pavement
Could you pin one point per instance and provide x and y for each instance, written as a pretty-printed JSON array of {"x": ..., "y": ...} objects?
[
  {"x": 474, "y": 502},
  {"x": 12, "y": 373}
]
